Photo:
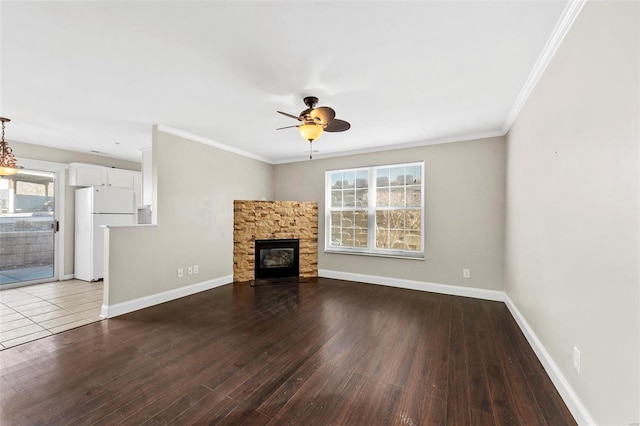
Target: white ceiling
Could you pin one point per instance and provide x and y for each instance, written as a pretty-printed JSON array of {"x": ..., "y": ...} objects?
[{"x": 97, "y": 75}]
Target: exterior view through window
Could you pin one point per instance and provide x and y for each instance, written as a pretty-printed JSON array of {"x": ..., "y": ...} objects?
[{"x": 376, "y": 210}]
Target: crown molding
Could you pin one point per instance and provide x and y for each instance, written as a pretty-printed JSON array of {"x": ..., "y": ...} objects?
[
  {"x": 200, "y": 139},
  {"x": 436, "y": 141},
  {"x": 565, "y": 22}
]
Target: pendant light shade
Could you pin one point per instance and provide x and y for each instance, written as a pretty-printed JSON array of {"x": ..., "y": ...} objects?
[
  {"x": 8, "y": 171},
  {"x": 8, "y": 164}
]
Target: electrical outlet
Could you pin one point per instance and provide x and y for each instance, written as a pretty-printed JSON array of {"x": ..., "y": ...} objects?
[
  {"x": 190, "y": 270},
  {"x": 180, "y": 272},
  {"x": 195, "y": 269},
  {"x": 466, "y": 273},
  {"x": 576, "y": 360}
]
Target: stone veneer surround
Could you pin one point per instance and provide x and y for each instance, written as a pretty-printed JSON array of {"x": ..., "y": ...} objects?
[{"x": 268, "y": 220}]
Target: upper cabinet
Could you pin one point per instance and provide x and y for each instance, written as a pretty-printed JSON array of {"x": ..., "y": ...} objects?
[
  {"x": 87, "y": 175},
  {"x": 92, "y": 175},
  {"x": 120, "y": 178}
]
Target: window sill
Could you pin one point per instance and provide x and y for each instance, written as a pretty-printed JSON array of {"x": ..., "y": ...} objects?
[{"x": 399, "y": 255}]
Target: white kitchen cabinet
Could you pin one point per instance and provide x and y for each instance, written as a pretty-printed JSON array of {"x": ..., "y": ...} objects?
[
  {"x": 120, "y": 178},
  {"x": 92, "y": 175},
  {"x": 87, "y": 175}
]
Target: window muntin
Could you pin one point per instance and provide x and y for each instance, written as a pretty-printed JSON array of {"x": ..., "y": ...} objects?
[{"x": 376, "y": 210}]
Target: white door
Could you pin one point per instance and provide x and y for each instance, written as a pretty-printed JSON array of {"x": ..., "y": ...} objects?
[{"x": 27, "y": 228}]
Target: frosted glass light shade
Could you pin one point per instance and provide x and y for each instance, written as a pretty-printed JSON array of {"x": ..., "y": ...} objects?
[{"x": 311, "y": 132}]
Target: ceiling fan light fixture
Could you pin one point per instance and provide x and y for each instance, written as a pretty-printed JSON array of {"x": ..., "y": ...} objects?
[
  {"x": 315, "y": 121},
  {"x": 310, "y": 131},
  {"x": 8, "y": 164}
]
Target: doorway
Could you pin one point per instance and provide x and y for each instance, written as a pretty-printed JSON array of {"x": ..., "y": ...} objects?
[{"x": 28, "y": 227}]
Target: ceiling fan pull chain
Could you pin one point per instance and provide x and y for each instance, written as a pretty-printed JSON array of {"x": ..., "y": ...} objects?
[{"x": 310, "y": 150}]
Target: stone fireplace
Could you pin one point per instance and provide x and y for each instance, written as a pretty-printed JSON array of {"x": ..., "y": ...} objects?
[{"x": 268, "y": 222}]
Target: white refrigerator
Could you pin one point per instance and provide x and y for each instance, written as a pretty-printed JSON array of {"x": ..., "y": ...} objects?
[{"x": 97, "y": 206}]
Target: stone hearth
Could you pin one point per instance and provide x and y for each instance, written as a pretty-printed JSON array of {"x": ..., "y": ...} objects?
[{"x": 270, "y": 220}]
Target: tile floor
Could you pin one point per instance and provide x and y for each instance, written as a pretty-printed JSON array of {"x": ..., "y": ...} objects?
[{"x": 29, "y": 313}]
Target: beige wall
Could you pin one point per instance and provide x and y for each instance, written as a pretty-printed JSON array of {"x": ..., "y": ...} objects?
[
  {"x": 62, "y": 156},
  {"x": 572, "y": 258},
  {"x": 464, "y": 200},
  {"x": 196, "y": 186}
]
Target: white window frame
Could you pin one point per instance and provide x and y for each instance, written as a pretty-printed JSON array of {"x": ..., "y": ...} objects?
[{"x": 371, "y": 249}]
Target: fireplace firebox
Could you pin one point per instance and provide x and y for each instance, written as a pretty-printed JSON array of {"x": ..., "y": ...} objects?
[{"x": 277, "y": 258}]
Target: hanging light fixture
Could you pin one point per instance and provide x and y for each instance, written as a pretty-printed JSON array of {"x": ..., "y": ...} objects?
[
  {"x": 8, "y": 164},
  {"x": 311, "y": 132}
]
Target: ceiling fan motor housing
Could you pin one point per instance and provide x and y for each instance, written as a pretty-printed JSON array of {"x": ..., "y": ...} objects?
[{"x": 311, "y": 101}]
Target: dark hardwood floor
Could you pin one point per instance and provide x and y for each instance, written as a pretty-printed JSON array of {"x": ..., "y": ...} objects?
[{"x": 324, "y": 352}]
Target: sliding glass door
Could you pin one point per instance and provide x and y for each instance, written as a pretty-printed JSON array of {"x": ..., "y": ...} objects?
[{"x": 27, "y": 228}]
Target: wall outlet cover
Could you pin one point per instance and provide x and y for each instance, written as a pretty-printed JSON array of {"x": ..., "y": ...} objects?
[{"x": 576, "y": 360}]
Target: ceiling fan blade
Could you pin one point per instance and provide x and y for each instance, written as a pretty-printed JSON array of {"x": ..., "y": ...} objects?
[
  {"x": 337, "y": 125},
  {"x": 287, "y": 127},
  {"x": 322, "y": 115},
  {"x": 290, "y": 115}
]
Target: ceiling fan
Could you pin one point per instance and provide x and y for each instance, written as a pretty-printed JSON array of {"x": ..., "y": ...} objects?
[{"x": 315, "y": 121}]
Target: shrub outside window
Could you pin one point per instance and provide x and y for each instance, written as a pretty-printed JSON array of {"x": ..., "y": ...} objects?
[{"x": 376, "y": 210}]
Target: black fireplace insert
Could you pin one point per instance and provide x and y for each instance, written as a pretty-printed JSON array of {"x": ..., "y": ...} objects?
[{"x": 277, "y": 258}]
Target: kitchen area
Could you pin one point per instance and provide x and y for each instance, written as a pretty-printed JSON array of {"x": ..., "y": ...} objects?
[
  {"x": 103, "y": 197},
  {"x": 51, "y": 278}
]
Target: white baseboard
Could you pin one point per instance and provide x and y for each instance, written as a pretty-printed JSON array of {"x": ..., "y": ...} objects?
[
  {"x": 578, "y": 410},
  {"x": 68, "y": 277},
  {"x": 110, "y": 311},
  {"x": 476, "y": 293}
]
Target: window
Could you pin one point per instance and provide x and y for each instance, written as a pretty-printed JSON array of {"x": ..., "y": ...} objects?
[{"x": 376, "y": 210}]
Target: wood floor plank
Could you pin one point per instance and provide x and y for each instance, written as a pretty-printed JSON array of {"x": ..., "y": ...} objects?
[
  {"x": 479, "y": 397},
  {"x": 527, "y": 406},
  {"x": 333, "y": 408},
  {"x": 323, "y": 352},
  {"x": 298, "y": 378},
  {"x": 503, "y": 408},
  {"x": 312, "y": 397},
  {"x": 482, "y": 418},
  {"x": 211, "y": 409},
  {"x": 458, "y": 405}
]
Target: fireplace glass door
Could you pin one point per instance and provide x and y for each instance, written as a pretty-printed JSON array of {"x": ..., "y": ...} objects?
[{"x": 276, "y": 258}]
